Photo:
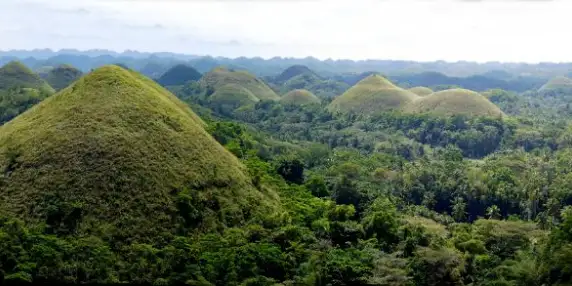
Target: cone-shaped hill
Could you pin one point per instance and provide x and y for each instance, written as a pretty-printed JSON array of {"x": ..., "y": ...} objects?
[
  {"x": 560, "y": 83},
  {"x": 15, "y": 74},
  {"x": 117, "y": 154},
  {"x": 229, "y": 79},
  {"x": 62, "y": 76},
  {"x": 233, "y": 95},
  {"x": 294, "y": 71},
  {"x": 421, "y": 90},
  {"x": 372, "y": 94},
  {"x": 179, "y": 75},
  {"x": 455, "y": 102},
  {"x": 299, "y": 97}
]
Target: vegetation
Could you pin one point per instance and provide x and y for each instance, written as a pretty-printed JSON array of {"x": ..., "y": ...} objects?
[
  {"x": 220, "y": 77},
  {"x": 62, "y": 76},
  {"x": 179, "y": 75},
  {"x": 560, "y": 83},
  {"x": 455, "y": 102},
  {"x": 370, "y": 95},
  {"x": 421, "y": 90},
  {"x": 17, "y": 75},
  {"x": 299, "y": 97}
]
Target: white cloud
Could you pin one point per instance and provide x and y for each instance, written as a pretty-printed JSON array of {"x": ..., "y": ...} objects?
[{"x": 392, "y": 29}]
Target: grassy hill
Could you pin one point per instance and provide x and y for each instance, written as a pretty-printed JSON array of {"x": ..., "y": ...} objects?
[
  {"x": 222, "y": 77},
  {"x": 372, "y": 94},
  {"x": 421, "y": 90},
  {"x": 62, "y": 76},
  {"x": 294, "y": 71},
  {"x": 299, "y": 97},
  {"x": 233, "y": 95},
  {"x": 15, "y": 74},
  {"x": 560, "y": 83},
  {"x": 179, "y": 75},
  {"x": 117, "y": 155},
  {"x": 455, "y": 101}
]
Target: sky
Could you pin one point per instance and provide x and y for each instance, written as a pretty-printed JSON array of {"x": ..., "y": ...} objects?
[{"x": 422, "y": 30}]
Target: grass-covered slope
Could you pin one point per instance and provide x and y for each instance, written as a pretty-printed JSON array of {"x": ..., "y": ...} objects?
[
  {"x": 17, "y": 75},
  {"x": 179, "y": 75},
  {"x": 62, "y": 76},
  {"x": 560, "y": 83},
  {"x": 372, "y": 94},
  {"x": 299, "y": 97},
  {"x": 421, "y": 90},
  {"x": 221, "y": 77},
  {"x": 293, "y": 71},
  {"x": 117, "y": 154},
  {"x": 455, "y": 102},
  {"x": 233, "y": 95}
]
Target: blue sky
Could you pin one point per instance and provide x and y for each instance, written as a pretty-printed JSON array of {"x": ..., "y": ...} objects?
[{"x": 425, "y": 30}]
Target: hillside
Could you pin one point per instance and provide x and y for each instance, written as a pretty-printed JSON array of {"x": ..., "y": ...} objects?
[
  {"x": 15, "y": 74},
  {"x": 372, "y": 94},
  {"x": 179, "y": 75},
  {"x": 560, "y": 83},
  {"x": 233, "y": 95},
  {"x": 293, "y": 71},
  {"x": 220, "y": 77},
  {"x": 421, "y": 90},
  {"x": 299, "y": 97},
  {"x": 453, "y": 102},
  {"x": 62, "y": 76},
  {"x": 116, "y": 154}
]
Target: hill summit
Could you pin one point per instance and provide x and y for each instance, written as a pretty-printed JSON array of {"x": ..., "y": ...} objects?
[
  {"x": 179, "y": 75},
  {"x": 17, "y": 75},
  {"x": 117, "y": 154},
  {"x": 372, "y": 94},
  {"x": 293, "y": 71},
  {"x": 455, "y": 102},
  {"x": 299, "y": 97},
  {"x": 242, "y": 81}
]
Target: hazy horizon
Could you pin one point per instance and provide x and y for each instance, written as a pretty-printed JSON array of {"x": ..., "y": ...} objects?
[{"x": 476, "y": 31}]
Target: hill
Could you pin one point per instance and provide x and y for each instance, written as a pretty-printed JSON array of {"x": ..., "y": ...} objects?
[
  {"x": 299, "y": 97},
  {"x": 293, "y": 71},
  {"x": 372, "y": 94},
  {"x": 220, "y": 77},
  {"x": 453, "y": 102},
  {"x": 560, "y": 83},
  {"x": 179, "y": 75},
  {"x": 15, "y": 74},
  {"x": 62, "y": 76},
  {"x": 117, "y": 155},
  {"x": 233, "y": 95},
  {"x": 421, "y": 90}
]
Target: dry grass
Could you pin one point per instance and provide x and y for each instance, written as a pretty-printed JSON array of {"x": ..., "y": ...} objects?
[
  {"x": 454, "y": 102},
  {"x": 299, "y": 97},
  {"x": 421, "y": 90}
]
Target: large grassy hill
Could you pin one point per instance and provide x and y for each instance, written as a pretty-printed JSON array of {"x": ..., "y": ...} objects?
[
  {"x": 62, "y": 76},
  {"x": 372, "y": 94},
  {"x": 299, "y": 97},
  {"x": 17, "y": 75},
  {"x": 179, "y": 75},
  {"x": 116, "y": 154},
  {"x": 455, "y": 102},
  {"x": 221, "y": 77},
  {"x": 560, "y": 83},
  {"x": 294, "y": 71}
]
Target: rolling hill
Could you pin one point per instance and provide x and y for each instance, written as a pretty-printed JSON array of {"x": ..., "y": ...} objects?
[
  {"x": 179, "y": 75},
  {"x": 293, "y": 71},
  {"x": 15, "y": 74},
  {"x": 455, "y": 102},
  {"x": 299, "y": 97},
  {"x": 223, "y": 77},
  {"x": 372, "y": 94},
  {"x": 117, "y": 154},
  {"x": 62, "y": 76},
  {"x": 421, "y": 90},
  {"x": 560, "y": 83}
]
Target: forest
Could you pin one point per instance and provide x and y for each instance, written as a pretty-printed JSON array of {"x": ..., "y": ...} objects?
[{"x": 181, "y": 170}]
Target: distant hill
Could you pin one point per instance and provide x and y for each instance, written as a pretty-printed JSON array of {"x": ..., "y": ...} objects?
[
  {"x": 299, "y": 97},
  {"x": 62, "y": 76},
  {"x": 561, "y": 83},
  {"x": 118, "y": 155},
  {"x": 223, "y": 77},
  {"x": 293, "y": 71},
  {"x": 455, "y": 102},
  {"x": 15, "y": 74},
  {"x": 421, "y": 90},
  {"x": 233, "y": 95},
  {"x": 179, "y": 75},
  {"x": 372, "y": 94}
]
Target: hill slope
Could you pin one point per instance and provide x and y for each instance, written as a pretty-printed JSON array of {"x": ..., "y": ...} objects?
[
  {"x": 62, "y": 76},
  {"x": 453, "y": 102},
  {"x": 293, "y": 71},
  {"x": 421, "y": 90},
  {"x": 179, "y": 75},
  {"x": 560, "y": 83},
  {"x": 219, "y": 77},
  {"x": 117, "y": 154},
  {"x": 299, "y": 97},
  {"x": 15, "y": 74},
  {"x": 372, "y": 94}
]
